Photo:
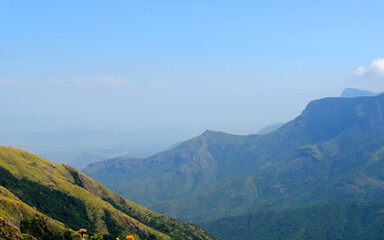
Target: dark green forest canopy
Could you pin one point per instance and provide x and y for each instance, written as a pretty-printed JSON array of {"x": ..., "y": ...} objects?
[{"x": 345, "y": 220}]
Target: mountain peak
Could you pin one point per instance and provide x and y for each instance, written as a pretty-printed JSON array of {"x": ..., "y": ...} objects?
[
  {"x": 354, "y": 92},
  {"x": 326, "y": 118},
  {"x": 207, "y": 132},
  {"x": 214, "y": 134}
]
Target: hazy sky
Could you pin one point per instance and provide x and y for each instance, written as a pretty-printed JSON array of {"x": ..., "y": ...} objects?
[{"x": 232, "y": 66}]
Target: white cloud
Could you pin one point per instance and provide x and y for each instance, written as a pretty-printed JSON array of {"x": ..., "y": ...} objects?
[
  {"x": 56, "y": 80},
  {"x": 114, "y": 81},
  {"x": 79, "y": 80},
  {"x": 375, "y": 68},
  {"x": 5, "y": 81},
  {"x": 199, "y": 8},
  {"x": 162, "y": 85}
]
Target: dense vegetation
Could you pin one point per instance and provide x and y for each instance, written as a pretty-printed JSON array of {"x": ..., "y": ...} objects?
[
  {"x": 38, "y": 228},
  {"x": 347, "y": 220},
  {"x": 71, "y": 200},
  {"x": 56, "y": 204}
]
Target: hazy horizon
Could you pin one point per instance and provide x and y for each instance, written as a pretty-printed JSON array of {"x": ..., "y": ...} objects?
[{"x": 187, "y": 66}]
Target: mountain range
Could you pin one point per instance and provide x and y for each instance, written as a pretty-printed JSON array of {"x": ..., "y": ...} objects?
[
  {"x": 332, "y": 152},
  {"x": 59, "y": 200},
  {"x": 319, "y": 176}
]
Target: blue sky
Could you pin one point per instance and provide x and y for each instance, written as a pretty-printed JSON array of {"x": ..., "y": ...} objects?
[{"x": 232, "y": 66}]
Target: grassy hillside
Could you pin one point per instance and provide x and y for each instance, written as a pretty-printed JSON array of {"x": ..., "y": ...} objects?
[
  {"x": 346, "y": 220},
  {"x": 63, "y": 193},
  {"x": 11, "y": 207},
  {"x": 17, "y": 218}
]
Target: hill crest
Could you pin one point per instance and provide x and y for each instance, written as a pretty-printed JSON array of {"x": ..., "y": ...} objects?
[{"x": 55, "y": 189}]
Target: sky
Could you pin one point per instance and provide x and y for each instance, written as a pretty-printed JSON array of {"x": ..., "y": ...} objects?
[{"x": 150, "y": 65}]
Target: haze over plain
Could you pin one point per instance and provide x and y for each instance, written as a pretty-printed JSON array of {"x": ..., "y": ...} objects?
[{"x": 179, "y": 65}]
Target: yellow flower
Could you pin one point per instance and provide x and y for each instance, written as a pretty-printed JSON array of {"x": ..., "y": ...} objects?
[
  {"x": 82, "y": 231},
  {"x": 130, "y": 237}
]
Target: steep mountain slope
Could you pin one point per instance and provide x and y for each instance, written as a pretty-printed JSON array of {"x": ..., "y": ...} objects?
[
  {"x": 347, "y": 220},
  {"x": 13, "y": 212},
  {"x": 331, "y": 152},
  {"x": 64, "y": 194}
]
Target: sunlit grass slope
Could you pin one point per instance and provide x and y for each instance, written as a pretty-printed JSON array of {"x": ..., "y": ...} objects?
[
  {"x": 78, "y": 201},
  {"x": 12, "y": 208}
]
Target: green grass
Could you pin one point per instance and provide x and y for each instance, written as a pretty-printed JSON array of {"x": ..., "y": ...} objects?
[
  {"x": 65, "y": 194},
  {"x": 11, "y": 207},
  {"x": 58, "y": 205}
]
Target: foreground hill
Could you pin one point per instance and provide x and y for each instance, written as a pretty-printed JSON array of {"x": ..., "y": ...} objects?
[
  {"x": 347, "y": 220},
  {"x": 332, "y": 152},
  {"x": 31, "y": 185},
  {"x": 14, "y": 212}
]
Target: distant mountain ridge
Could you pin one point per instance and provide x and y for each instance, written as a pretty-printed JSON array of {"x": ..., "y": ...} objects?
[
  {"x": 330, "y": 152},
  {"x": 354, "y": 92},
  {"x": 86, "y": 158},
  {"x": 269, "y": 128}
]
